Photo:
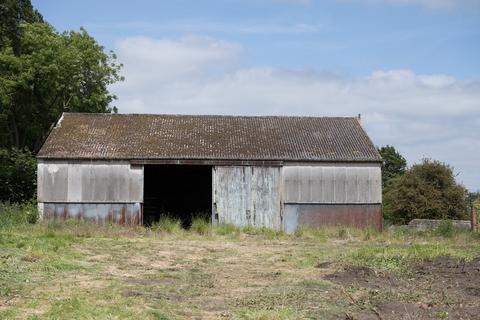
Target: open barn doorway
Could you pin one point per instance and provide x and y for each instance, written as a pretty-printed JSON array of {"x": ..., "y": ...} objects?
[{"x": 178, "y": 191}]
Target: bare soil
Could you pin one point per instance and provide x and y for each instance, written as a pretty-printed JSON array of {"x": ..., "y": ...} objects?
[{"x": 440, "y": 288}]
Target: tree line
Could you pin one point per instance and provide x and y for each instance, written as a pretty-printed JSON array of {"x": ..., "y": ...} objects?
[{"x": 43, "y": 73}]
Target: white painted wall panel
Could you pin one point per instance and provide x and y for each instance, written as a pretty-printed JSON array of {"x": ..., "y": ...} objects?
[
  {"x": 63, "y": 181},
  {"x": 332, "y": 183},
  {"x": 247, "y": 195}
]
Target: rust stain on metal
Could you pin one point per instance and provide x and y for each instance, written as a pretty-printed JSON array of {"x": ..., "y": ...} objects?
[
  {"x": 100, "y": 213},
  {"x": 322, "y": 215}
]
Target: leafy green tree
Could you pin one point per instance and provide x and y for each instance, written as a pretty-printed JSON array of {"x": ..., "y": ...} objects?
[
  {"x": 17, "y": 175},
  {"x": 42, "y": 74},
  {"x": 55, "y": 72},
  {"x": 394, "y": 164},
  {"x": 428, "y": 191},
  {"x": 12, "y": 14}
]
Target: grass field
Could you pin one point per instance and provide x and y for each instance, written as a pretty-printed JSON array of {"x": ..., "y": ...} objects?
[{"x": 77, "y": 270}]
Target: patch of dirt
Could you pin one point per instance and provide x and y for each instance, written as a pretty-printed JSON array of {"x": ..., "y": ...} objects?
[
  {"x": 154, "y": 295},
  {"x": 441, "y": 288},
  {"x": 323, "y": 265},
  {"x": 30, "y": 258},
  {"x": 363, "y": 277},
  {"x": 453, "y": 276}
]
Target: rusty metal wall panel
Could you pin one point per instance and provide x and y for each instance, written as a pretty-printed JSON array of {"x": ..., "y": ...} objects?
[
  {"x": 90, "y": 181},
  {"x": 247, "y": 195},
  {"x": 100, "y": 213},
  {"x": 337, "y": 183},
  {"x": 327, "y": 215}
]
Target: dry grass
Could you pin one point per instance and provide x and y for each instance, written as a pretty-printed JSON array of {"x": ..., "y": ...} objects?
[{"x": 82, "y": 271}]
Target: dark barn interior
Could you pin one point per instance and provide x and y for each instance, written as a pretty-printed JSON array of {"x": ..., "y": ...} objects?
[{"x": 178, "y": 191}]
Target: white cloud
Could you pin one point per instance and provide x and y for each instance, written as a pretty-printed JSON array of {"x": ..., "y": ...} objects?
[
  {"x": 434, "y": 116},
  {"x": 212, "y": 27}
]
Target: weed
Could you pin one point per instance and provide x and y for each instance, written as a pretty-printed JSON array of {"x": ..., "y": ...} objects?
[
  {"x": 278, "y": 314},
  {"x": 167, "y": 224},
  {"x": 157, "y": 315},
  {"x": 224, "y": 229},
  {"x": 315, "y": 284},
  {"x": 201, "y": 226},
  {"x": 445, "y": 229},
  {"x": 442, "y": 314},
  {"x": 14, "y": 215},
  {"x": 343, "y": 233},
  {"x": 263, "y": 231},
  {"x": 310, "y": 232},
  {"x": 381, "y": 258},
  {"x": 301, "y": 231}
]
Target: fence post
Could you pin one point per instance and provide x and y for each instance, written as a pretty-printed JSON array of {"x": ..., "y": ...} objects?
[{"x": 473, "y": 218}]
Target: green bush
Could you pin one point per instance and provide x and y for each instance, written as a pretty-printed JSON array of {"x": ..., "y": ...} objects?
[
  {"x": 201, "y": 226},
  {"x": 17, "y": 214},
  {"x": 168, "y": 225},
  {"x": 18, "y": 175},
  {"x": 426, "y": 191}
]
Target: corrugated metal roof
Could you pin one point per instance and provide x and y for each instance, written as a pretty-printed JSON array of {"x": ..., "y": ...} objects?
[{"x": 141, "y": 136}]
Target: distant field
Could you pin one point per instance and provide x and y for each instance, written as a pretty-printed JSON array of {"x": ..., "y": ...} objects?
[{"x": 82, "y": 271}]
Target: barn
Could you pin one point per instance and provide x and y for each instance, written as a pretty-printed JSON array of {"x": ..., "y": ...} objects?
[{"x": 265, "y": 171}]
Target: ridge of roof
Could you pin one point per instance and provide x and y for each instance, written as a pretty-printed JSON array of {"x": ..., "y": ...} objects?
[{"x": 204, "y": 115}]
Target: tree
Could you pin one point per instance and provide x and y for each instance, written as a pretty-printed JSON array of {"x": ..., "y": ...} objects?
[
  {"x": 427, "y": 190},
  {"x": 55, "y": 72},
  {"x": 394, "y": 164},
  {"x": 12, "y": 14},
  {"x": 17, "y": 175},
  {"x": 42, "y": 74}
]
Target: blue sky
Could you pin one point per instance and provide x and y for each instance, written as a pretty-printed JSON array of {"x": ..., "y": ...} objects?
[
  {"x": 411, "y": 67},
  {"x": 352, "y": 37}
]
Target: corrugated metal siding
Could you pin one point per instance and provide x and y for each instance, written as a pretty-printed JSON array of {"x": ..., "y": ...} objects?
[
  {"x": 89, "y": 182},
  {"x": 323, "y": 215},
  {"x": 247, "y": 196},
  {"x": 342, "y": 183},
  {"x": 121, "y": 213}
]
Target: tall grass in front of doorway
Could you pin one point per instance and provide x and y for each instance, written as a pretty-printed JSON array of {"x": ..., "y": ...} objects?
[
  {"x": 168, "y": 224},
  {"x": 201, "y": 226}
]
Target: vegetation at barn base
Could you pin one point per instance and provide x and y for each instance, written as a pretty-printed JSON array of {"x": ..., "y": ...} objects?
[
  {"x": 76, "y": 269},
  {"x": 428, "y": 191},
  {"x": 15, "y": 215}
]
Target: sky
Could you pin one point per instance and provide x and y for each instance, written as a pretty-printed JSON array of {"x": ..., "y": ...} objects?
[{"x": 411, "y": 68}]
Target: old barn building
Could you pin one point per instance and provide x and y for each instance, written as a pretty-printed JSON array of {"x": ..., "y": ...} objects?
[{"x": 276, "y": 172}]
